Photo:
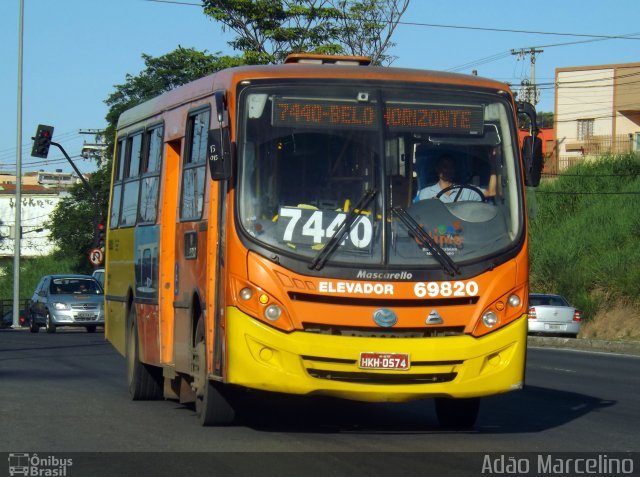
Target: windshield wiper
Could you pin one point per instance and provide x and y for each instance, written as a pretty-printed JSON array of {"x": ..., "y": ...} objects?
[
  {"x": 420, "y": 234},
  {"x": 321, "y": 258}
]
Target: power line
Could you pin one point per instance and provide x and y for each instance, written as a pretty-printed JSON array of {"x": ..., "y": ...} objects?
[
  {"x": 560, "y": 174},
  {"x": 461, "y": 27},
  {"x": 175, "y": 2},
  {"x": 627, "y": 36},
  {"x": 551, "y": 192},
  {"x": 508, "y": 30}
]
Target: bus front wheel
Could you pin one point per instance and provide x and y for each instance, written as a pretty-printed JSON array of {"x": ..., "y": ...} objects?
[
  {"x": 457, "y": 413},
  {"x": 212, "y": 406}
]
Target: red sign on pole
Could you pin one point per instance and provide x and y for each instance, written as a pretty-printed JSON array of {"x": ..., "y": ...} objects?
[{"x": 96, "y": 256}]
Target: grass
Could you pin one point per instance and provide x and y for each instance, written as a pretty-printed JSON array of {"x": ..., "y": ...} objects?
[
  {"x": 584, "y": 242},
  {"x": 31, "y": 271}
]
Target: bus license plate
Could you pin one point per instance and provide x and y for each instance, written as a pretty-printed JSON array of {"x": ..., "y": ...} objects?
[{"x": 393, "y": 361}]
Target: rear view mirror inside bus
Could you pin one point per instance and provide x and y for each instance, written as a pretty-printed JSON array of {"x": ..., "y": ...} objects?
[
  {"x": 489, "y": 137},
  {"x": 219, "y": 154}
]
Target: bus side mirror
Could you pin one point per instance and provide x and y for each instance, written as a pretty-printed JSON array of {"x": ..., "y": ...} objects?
[
  {"x": 219, "y": 154},
  {"x": 532, "y": 158}
]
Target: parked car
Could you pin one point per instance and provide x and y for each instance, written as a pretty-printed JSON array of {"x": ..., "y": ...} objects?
[
  {"x": 98, "y": 274},
  {"x": 553, "y": 315},
  {"x": 7, "y": 319},
  {"x": 66, "y": 300}
]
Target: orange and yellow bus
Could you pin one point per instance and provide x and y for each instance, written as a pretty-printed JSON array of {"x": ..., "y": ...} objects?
[{"x": 269, "y": 230}]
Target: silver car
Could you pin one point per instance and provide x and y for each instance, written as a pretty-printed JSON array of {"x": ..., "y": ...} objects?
[
  {"x": 66, "y": 300},
  {"x": 553, "y": 315}
]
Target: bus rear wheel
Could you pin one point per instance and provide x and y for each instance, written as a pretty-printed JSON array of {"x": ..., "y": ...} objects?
[
  {"x": 457, "y": 413},
  {"x": 145, "y": 381},
  {"x": 212, "y": 406}
]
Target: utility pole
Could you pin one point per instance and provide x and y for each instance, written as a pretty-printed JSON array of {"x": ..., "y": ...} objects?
[
  {"x": 529, "y": 92},
  {"x": 94, "y": 150},
  {"x": 18, "y": 217}
]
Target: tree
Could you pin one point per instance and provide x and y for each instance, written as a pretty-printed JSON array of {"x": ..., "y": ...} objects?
[
  {"x": 545, "y": 119},
  {"x": 161, "y": 74},
  {"x": 72, "y": 223},
  {"x": 268, "y": 30},
  {"x": 368, "y": 27}
]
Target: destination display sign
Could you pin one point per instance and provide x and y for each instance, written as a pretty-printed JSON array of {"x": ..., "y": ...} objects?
[
  {"x": 306, "y": 113},
  {"x": 435, "y": 118}
]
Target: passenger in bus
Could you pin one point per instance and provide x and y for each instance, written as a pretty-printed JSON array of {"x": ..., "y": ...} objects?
[{"x": 446, "y": 170}]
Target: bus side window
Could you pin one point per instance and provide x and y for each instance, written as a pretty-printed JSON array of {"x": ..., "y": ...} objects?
[
  {"x": 131, "y": 186},
  {"x": 193, "y": 175},
  {"x": 116, "y": 194},
  {"x": 150, "y": 181}
]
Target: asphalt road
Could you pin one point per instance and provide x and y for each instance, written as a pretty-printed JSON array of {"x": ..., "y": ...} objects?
[{"x": 66, "y": 393}]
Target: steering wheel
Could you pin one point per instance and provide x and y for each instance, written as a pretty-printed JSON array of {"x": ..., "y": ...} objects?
[{"x": 462, "y": 186}]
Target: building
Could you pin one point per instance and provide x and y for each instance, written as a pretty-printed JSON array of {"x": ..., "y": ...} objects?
[
  {"x": 57, "y": 179},
  {"x": 597, "y": 111},
  {"x": 38, "y": 203},
  {"x": 547, "y": 136}
]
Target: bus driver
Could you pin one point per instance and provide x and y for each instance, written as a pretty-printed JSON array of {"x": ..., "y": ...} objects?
[{"x": 446, "y": 171}]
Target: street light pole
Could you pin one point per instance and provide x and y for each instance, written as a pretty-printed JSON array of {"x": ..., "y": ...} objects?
[{"x": 18, "y": 215}]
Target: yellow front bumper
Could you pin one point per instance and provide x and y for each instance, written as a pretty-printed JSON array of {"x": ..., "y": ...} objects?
[{"x": 261, "y": 357}]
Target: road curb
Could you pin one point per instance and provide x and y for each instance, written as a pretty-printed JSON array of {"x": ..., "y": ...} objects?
[{"x": 586, "y": 344}]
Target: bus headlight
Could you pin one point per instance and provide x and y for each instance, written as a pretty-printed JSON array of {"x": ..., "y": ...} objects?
[
  {"x": 490, "y": 319},
  {"x": 514, "y": 301},
  {"x": 272, "y": 312},
  {"x": 261, "y": 305},
  {"x": 504, "y": 310}
]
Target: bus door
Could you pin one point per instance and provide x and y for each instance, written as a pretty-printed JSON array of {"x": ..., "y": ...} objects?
[
  {"x": 191, "y": 232},
  {"x": 168, "y": 249}
]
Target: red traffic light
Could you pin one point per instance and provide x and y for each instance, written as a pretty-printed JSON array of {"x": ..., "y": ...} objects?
[{"x": 42, "y": 141}]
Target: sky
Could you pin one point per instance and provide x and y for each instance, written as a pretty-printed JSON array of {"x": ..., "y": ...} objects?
[{"x": 75, "y": 51}]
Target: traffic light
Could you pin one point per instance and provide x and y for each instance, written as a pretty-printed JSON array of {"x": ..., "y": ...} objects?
[
  {"x": 42, "y": 141},
  {"x": 100, "y": 235}
]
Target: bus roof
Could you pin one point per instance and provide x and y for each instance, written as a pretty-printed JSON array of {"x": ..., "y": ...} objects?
[{"x": 225, "y": 79}]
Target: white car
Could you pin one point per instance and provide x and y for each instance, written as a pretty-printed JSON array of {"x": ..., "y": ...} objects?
[
  {"x": 98, "y": 274},
  {"x": 553, "y": 315}
]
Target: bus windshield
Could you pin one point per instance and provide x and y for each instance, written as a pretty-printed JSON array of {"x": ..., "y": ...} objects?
[{"x": 442, "y": 161}]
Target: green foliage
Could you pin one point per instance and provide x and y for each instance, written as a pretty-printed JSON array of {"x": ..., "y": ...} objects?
[
  {"x": 161, "y": 74},
  {"x": 269, "y": 30},
  {"x": 544, "y": 120},
  {"x": 72, "y": 224},
  {"x": 31, "y": 270},
  {"x": 584, "y": 237}
]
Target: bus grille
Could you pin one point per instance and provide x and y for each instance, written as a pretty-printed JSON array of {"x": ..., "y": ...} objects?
[
  {"x": 430, "y": 332},
  {"x": 380, "y": 378}
]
